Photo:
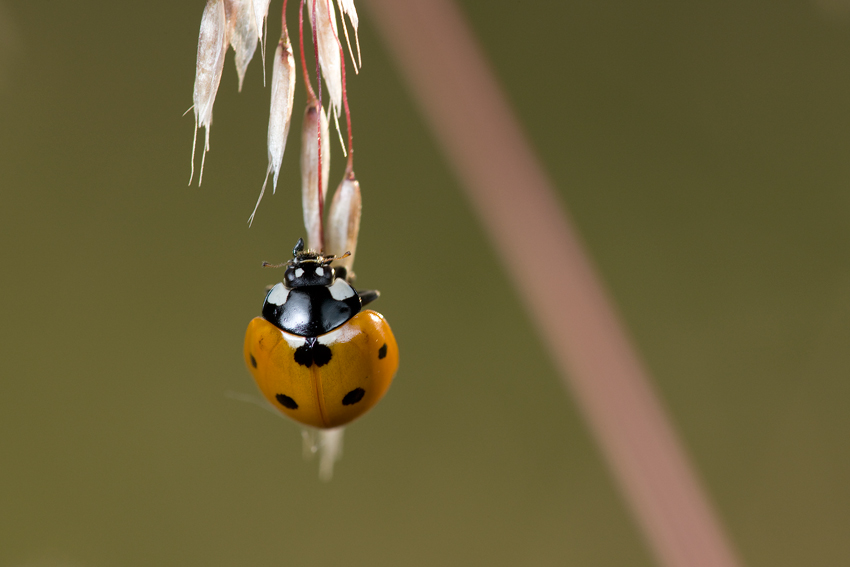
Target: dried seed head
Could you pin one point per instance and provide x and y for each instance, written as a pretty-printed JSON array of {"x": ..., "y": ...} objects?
[
  {"x": 344, "y": 220},
  {"x": 245, "y": 34},
  {"x": 329, "y": 58},
  {"x": 212, "y": 46},
  {"x": 347, "y": 7},
  {"x": 280, "y": 113},
  {"x": 314, "y": 116},
  {"x": 260, "y": 9},
  {"x": 283, "y": 93}
]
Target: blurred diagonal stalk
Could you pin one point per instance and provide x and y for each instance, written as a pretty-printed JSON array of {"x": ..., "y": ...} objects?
[{"x": 452, "y": 82}]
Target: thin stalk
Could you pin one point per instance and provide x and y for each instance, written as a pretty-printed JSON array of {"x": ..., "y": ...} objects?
[
  {"x": 311, "y": 95},
  {"x": 451, "y": 79},
  {"x": 319, "y": 129}
]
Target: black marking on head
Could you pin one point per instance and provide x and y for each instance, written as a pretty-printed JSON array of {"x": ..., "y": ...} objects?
[
  {"x": 382, "y": 352},
  {"x": 353, "y": 396},
  {"x": 312, "y": 351},
  {"x": 308, "y": 273},
  {"x": 253, "y": 361},
  {"x": 286, "y": 401}
]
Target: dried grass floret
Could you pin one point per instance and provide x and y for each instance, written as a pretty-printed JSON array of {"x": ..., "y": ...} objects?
[
  {"x": 280, "y": 111},
  {"x": 212, "y": 47},
  {"x": 311, "y": 172},
  {"x": 346, "y": 7},
  {"x": 328, "y": 48},
  {"x": 260, "y": 9},
  {"x": 344, "y": 221},
  {"x": 245, "y": 35}
]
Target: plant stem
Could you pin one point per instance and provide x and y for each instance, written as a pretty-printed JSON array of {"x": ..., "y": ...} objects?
[{"x": 451, "y": 80}]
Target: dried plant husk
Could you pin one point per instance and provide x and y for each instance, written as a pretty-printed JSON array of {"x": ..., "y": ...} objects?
[
  {"x": 314, "y": 116},
  {"x": 245, "y": 35},
  {"x": 344, "y": 221},
  {"x": 212, "y": 47},
  {"x": 328, "y": 48},
  {"x": 280, "y": 111},
  {"x": 347, "y": 7}
]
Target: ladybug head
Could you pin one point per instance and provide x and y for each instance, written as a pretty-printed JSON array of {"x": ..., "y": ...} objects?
[{"x": 307, "y": 268}]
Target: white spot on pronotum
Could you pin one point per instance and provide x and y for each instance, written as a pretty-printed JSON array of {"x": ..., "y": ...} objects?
[
  {"x": 320, "y": 271},
  {"x": 278, "y": 295},
  {"x": 340, "y": 290},
  {"x": 299, "y": 272}
]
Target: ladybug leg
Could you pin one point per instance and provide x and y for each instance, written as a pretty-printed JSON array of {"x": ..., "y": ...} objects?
[{"x": 368, "y": 296}]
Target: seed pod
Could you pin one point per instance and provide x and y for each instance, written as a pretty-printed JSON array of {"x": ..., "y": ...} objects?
[
  {"x": 328, "y": 49},
  {"x": 314, "y": 116},
  {"x": 245, "y": 35},
  {"x": 212, "y": 46},
  {"x": 344, "y": 220},
  {"x": 280, "y": 112}
]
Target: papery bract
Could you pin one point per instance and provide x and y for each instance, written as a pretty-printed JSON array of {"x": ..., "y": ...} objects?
[
  {"x": 212, "y": 47},
  {"x": 344, "y": 221},
  {"x": 261, "y": 10},
  {"x": 314, "y": 116},
  {"x": 280, "y": 111},
  {"x": 283, "y": 94},
  {"x": 329, "y": 54},
  {"x": 245, "y": 34},
  {"x": 347, "y": 7}
]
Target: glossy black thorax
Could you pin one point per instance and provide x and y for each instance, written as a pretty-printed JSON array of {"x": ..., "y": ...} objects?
[{"x": 310, "y": 304}]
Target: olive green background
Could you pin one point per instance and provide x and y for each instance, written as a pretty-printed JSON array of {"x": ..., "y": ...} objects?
[{"x": 703, "y": 150}]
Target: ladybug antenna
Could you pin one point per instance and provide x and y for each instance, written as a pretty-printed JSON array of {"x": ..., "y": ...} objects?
[
  {"x": 329, "y": 259},
  {"x": 299, "y": 256}
]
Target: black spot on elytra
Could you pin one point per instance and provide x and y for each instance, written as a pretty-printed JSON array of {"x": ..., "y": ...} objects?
[
  {"x": 286, "y": 401},
  {"x": 312, "y": 351},
  {"x": 353, "y": 396},
  {"x": 382, "y": 352},
  {"x": 303, "y": 356},
  {"x": 253, "y": 361},
  {"x": 321, "y": 354}
]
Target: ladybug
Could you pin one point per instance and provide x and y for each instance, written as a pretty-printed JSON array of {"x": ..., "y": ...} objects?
[{"x": 315, "y": 353}]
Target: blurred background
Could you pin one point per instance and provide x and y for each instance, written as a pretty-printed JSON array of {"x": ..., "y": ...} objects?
[{"x": 702, "y": 150}]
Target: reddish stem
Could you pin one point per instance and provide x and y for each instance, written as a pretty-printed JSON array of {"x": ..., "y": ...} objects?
[
  {"x": 350, "y": 165},
  {"x": 319, "y": 131},
  {"x": 311, "y": 96},
  {"x": 520, "y": 209}
]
